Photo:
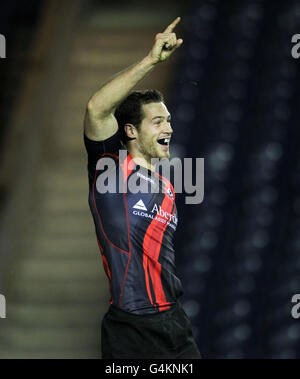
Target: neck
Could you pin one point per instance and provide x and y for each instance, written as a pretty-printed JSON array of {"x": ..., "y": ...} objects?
[{"x": 141, "y": 160}]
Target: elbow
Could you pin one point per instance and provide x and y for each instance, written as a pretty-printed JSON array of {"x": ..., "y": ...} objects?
[
  {"x": 95, "y": 110},
  {"x": 91, "y": 106},
  {"x": 99, "y": 106}
]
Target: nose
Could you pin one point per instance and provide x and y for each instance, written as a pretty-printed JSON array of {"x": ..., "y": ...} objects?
[{"x": 169, "y": 127}]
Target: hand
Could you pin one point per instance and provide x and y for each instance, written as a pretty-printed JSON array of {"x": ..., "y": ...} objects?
[{"x": 165, "y": 43}]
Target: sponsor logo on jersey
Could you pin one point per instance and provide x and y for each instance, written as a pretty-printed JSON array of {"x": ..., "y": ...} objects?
[
  {"x": 145, "y": 177},
  {"x": 156, "y": 213},
  {"x": 170, "y": 193},
  {"x": 140, "y": 205}
]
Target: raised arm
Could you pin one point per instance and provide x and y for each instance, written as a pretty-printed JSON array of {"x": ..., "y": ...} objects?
[{"x": 100, "y": 122}]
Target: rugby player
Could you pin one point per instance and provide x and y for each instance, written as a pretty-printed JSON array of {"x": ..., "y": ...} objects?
[{"x": 135, "y": 229}]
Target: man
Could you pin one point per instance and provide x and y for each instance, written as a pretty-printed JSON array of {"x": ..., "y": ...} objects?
[{"x": 135, "y": 229}]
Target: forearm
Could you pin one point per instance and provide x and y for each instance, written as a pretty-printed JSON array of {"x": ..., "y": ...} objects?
[
  {"x": 118, "y": 87},
  {"x": 100, "y": 122}
]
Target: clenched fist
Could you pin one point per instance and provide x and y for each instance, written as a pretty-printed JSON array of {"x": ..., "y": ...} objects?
[{"x": 165, "y": 43}]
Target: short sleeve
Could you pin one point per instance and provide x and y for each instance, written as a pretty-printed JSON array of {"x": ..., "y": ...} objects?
[{"x": 96, "y": 148}]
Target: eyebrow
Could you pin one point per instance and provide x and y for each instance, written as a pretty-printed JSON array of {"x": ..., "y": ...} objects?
[{"x": 169, "y": 116}]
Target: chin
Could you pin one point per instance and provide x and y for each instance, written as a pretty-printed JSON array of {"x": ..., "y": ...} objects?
[
  {"x": 165, "y": 154},
  {"x": 162, "y": 155},
  {"x": 159, "y": 154}
]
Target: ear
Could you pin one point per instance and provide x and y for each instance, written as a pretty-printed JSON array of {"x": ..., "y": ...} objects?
[{"x": 130, "y": 131}]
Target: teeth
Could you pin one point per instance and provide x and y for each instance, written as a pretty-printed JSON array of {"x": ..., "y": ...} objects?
[{"x": 164, "y": 141}]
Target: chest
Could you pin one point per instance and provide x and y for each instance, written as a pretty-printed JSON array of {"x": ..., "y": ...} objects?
[{"x": 155, "y": 207}]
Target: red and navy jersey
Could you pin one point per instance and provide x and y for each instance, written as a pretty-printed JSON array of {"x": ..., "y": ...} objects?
[{"x": 134, "y": 228}]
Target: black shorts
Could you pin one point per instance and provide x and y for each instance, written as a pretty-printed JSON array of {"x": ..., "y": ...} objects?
[{"x": 163, "y": 335}]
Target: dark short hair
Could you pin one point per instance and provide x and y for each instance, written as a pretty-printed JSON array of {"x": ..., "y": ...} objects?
[{"x": 130, "y": 110}]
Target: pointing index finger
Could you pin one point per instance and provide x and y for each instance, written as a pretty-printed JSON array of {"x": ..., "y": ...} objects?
[{"x": 171, "y": 27}]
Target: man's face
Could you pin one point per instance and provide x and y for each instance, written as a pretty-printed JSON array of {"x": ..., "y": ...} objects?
[{"x": 155, "y": 132}]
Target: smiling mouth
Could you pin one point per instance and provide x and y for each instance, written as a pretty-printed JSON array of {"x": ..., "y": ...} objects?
[{"x": 164, "y": 142}]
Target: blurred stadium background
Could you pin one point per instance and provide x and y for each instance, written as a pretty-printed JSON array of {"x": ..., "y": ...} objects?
[{"x": 233, "y": 90}]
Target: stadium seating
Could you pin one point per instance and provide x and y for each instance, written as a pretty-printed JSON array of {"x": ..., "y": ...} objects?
[{"x": 236, "y": 106}]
